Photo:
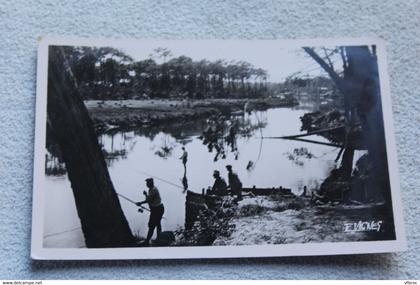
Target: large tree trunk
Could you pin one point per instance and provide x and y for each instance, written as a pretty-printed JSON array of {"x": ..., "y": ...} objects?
[
  {"x": 361, "y": 90},
  {"x": 103, "y": 222}
]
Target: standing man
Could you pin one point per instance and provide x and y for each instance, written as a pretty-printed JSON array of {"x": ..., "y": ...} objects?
[
  {"x": 235, "y": 184},
  {"x": 184, "y": 158},
  {"x": 305, "y": 191},
  {"x": 156, "y": 209}
]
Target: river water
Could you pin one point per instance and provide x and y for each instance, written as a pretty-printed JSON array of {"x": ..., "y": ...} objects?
[{"x": 138, "y": 157}]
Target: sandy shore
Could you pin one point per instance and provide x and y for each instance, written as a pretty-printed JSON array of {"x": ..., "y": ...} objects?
[{"x": 264, "y": 220}]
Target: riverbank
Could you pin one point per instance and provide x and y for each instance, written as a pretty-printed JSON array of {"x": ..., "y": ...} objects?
[
  {"x": 122, "y": 114},
  {"x": 267, "y": 220},
  {"x": 140, "y": 147},
  {"x": 279, "y": 219}
]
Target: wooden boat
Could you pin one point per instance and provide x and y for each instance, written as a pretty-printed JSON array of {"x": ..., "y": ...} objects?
[
  {"x": 269, "y": 191},
  {"x": 254, "y": 191}
]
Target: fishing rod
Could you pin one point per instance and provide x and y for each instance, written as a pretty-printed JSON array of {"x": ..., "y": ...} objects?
[
  {"x": 163, "y": 180},
  {"x": 79, "y": 228},
  {"x": 305, "y": 140},
  {"x": 133, "y": 202}
]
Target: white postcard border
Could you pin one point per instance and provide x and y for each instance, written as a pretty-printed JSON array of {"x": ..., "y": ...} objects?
[{"x": 38, "y": 252}]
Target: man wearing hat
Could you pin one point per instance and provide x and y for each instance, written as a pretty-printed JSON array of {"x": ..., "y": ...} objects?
[
  {"x": 235, "y": 185},
  {"x": 156, "y": 209},
  {"x": 184, "y": 158},
  {"x": 219, "y": 186}
]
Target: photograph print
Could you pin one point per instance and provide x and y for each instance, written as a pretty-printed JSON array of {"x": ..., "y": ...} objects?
[{"x": 181, "y": 149}]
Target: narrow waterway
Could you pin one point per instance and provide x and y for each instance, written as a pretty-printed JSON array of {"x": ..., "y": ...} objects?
[{"x": 138, "y": 155}]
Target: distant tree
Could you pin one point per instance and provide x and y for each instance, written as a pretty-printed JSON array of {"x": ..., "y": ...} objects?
[
  {"x": 161, "y": 53},
  {"x": 107, "y": 73}
]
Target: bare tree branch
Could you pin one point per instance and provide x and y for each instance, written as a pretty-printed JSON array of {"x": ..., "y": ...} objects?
[
  {"x": 327, "y": 57},
  {"x": 343, "y": 57},
  {"x": 334, "y": 76}
]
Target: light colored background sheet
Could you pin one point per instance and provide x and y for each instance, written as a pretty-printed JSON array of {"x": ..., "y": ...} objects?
[{"x": 398, "y": 22}]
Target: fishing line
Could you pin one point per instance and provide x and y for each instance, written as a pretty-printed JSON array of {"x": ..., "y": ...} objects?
[
  {"x": 79, "y": 228},
  {"x": 63, "y": 232},
  {"x": 261, "y": 141},
  {"x": 157, "y": 178}
]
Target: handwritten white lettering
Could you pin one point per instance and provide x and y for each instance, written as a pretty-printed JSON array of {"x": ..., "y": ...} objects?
[{"x": 362, "y": 226}]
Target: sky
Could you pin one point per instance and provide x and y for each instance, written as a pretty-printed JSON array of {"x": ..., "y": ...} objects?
[{"x": 278, "y": 59}]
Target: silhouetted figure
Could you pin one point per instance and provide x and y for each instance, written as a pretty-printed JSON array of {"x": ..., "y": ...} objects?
[
  {"x": 156, "y": 209},
  {"x": 235, "y": 185},
  {"x": 305, "y": 191},
  {"x": 184, "y": 158},
  {"x": 219, "y": 185}
]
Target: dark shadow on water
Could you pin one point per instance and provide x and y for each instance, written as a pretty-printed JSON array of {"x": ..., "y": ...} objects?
[{"x": 184, "y": 182}]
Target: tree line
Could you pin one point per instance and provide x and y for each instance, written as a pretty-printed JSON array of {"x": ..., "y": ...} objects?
[{"x": 107, "y": 73}]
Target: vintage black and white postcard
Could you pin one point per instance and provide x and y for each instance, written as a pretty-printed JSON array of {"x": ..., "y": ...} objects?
[{"x": 213, "y": 148}]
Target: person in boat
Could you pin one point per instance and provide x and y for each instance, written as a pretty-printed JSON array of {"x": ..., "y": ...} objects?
[
  {"x": 219, "y": 185},
  {"x": 156, "y": 209},
  {"x": 184, "y": 158},
  {"x": 235, "y": 185}
]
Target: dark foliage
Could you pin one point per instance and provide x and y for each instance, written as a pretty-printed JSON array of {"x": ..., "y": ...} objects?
[{"x": 107, "y": 73}]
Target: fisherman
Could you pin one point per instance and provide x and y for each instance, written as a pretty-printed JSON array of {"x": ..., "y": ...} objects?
[
  {"x": 156, "y": 209},
  {"x": 305, "y": 191},
  {"x": 235, "y": 185},
  {"x": 184, "y": 158},
  {"x": 219, "y": 186}
]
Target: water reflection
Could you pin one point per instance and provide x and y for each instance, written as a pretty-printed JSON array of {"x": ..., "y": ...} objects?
[
  {"x": 185, "y": 182},
  {"x": 138, "y": 154},
  {"x": 116, "y": 145},
  {"x": 221, "y": 133},
  {"x": 166, "y": 147}
]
